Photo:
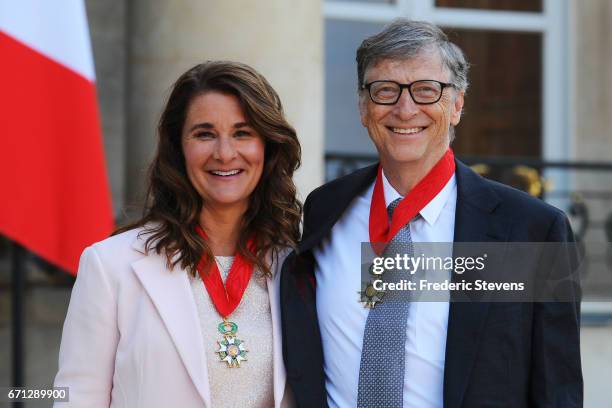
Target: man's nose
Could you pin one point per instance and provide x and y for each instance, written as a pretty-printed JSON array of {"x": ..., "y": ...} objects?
[
  {"x": 405, "y": 107},
  {"x": 225, "y": 150}
]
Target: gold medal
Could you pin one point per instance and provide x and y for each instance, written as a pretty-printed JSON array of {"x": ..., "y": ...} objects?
[
  {"x": 226, "y": 297},
  {"x": 370, "y": 296},
  {"x": 231, "y": 349}
]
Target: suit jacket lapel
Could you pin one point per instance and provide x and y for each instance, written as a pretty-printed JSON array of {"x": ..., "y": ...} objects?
[
  {"x": 171, "y": 294},
  {"x": 475, "y": 221},
  {"x": 340, "y": 193}
]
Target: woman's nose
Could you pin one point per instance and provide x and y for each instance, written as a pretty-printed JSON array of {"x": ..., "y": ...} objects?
[{"x": 225, "y": 150}]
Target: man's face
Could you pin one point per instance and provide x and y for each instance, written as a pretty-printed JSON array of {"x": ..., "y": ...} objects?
[{"x": 409, "y": 133}]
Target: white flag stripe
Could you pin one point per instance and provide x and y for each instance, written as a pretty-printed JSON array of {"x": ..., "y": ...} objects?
[{"x": 56, "y": 28}]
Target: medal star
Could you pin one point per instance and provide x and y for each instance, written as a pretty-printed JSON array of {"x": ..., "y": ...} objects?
[
  {"x": 232, "y": 351},
  {"x": 370, "y": 296}
]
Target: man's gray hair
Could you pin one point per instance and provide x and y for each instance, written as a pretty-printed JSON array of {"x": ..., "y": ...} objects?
[{"x": 404, "y": 39}]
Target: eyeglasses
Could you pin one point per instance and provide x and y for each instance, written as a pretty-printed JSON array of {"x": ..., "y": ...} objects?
[{"x": 423, "y": 92}]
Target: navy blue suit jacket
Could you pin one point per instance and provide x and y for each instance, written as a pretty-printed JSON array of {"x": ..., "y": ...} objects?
[{"x": 497, "y": 354}]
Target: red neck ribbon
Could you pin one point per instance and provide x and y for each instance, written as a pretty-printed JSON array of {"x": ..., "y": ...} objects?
[
  {"x": 226, "y": 298},
  {"x": 417, "y": 198}
]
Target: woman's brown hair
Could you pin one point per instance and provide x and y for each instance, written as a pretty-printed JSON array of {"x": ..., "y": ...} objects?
[{"x": 173, "y": 206}]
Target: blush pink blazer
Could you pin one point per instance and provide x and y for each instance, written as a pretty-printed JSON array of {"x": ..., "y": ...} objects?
[{"x": 132, "y": 336}]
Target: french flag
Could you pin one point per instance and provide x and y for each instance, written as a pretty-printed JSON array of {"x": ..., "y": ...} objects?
[{"x": 55, "y": 195}]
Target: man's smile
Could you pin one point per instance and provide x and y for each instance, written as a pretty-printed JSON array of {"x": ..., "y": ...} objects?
[{"x": 406, "y": 131}]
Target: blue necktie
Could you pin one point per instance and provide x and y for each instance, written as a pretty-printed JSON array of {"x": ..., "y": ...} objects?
[{"x": 381, "y": 371}]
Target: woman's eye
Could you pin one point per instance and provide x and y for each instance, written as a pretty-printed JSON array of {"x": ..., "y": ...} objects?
[
  {"x": 204, "y": 135},
  {"x": 242, "y": 133}
]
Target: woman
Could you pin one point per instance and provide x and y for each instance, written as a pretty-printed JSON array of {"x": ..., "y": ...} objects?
[{"x": 181, "y": 308}]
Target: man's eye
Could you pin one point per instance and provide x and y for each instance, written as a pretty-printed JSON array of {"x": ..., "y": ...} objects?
[
  {"x": 386, "y": 90},
  {"x": 425, "y": 90}
]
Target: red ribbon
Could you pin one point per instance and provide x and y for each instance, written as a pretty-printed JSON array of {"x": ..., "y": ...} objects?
[
  {"x": 226, "y": 298},
  {"x": 411, "y": 204}
]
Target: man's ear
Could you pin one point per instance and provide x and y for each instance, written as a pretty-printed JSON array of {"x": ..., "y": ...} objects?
[
  {"x": 363, "y": 105},
  {"x": 457, "y": 108}
]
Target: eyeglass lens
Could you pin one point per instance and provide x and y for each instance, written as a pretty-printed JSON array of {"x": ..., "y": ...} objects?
[{"x": 421, "y": 91}]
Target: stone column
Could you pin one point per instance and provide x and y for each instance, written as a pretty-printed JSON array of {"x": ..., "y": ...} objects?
[
  {"x": 282, "y": 39},
  {"x": 593, "y": 86},
  {"x": 107, "y": 27},
  {"x": 592, "y": 102},
  {"x": 592, "y": 109}
]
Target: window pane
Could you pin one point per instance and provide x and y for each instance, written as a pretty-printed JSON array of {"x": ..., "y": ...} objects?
[
  {"x": 502, "y": 114},
  {"x": 508, "y": 5},
  {"x": 343, "y": 130}
]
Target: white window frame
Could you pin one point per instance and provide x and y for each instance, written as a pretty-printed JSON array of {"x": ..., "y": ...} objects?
[{"x": 552, "y": 23}]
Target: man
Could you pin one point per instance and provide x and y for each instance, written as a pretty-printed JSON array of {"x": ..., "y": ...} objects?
[{"x": 412, "y": 84}]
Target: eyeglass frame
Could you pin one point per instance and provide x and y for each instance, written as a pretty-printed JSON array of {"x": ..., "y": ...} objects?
[{"x": 443, "y": 85}]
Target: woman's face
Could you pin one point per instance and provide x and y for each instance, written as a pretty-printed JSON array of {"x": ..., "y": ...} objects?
[{"x": 224, "y": 156}]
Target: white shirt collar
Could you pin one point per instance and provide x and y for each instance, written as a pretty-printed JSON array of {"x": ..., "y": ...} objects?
[{"x": 432, "y": 210}]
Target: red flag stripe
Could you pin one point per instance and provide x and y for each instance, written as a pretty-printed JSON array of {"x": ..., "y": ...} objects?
[{"x": 56, "y": 198}]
